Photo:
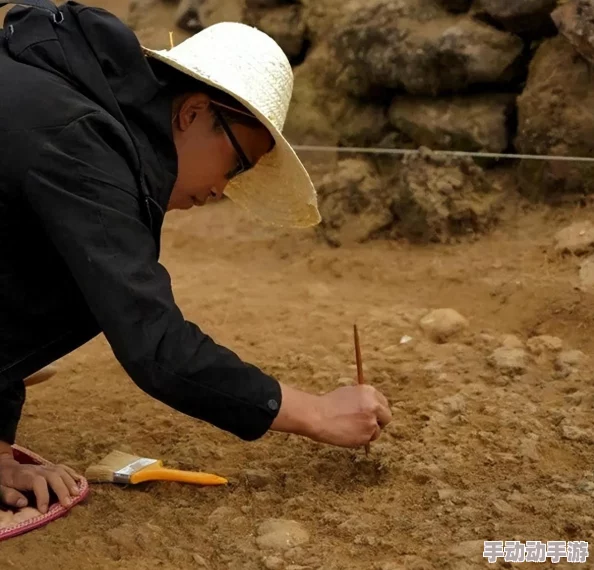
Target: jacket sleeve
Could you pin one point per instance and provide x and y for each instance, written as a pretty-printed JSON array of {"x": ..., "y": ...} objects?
[
  {"x": 12, "y": 400},
  {"x": 86, "y": 197}
]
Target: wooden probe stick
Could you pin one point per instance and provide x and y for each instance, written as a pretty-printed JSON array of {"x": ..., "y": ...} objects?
[{"x": 360, "y": 379}]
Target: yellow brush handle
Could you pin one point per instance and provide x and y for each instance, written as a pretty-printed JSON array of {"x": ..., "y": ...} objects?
[{"x": 163, "y": 474}]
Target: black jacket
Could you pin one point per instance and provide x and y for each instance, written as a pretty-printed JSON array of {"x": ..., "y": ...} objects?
[{"x": 87, "y": 165}]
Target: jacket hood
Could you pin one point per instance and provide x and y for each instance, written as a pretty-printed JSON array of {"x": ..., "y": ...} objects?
[{"x": 101, "y": 57}]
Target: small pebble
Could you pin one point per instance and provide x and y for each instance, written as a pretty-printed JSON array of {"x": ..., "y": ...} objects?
[
  {"x": 511, "y": 341},
  {"x": 542, "y": 344},
  {"x": 391, "y": 566},
  {"x": 273, "y": 563},
  {"x": 223, "y": 514},
  {"x": 529, "y": 449},
  {"x": 280, "y": 534},
  {"x": 570, "y": 358},
  {"x": 446, "y": 494},
  {"x": 199, "y": 560},
  {"x": 345, "y": 381},
  {"x": 502, "y": 507},
  {"x": 578, "y": 238},
  {"x": 443, "y": 324},
  {"x": 509, "y": 360},
  {"x": 574, "y": 433},
  {"x": 256, "y": 478},
  {"x": 468, "y": 549},
  {"x": 587, "y": 272}
]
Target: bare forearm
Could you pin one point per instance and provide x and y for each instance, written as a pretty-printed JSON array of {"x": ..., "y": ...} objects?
[
  {"x": 350, "y": 416},
  {"x": 298, "y": 413}
]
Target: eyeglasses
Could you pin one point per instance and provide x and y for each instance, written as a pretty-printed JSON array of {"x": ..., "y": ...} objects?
[{"x": 243, "y": 164}]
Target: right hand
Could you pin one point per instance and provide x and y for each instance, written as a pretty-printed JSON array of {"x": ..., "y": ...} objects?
[
  {"x": 351, "y": 416},
  {"x": 15, "y": 478}
]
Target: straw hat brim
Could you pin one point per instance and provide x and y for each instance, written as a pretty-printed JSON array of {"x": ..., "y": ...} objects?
[{"x": 278, "y": 190}]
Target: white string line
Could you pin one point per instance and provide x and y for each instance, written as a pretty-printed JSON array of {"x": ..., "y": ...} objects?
[{"x": 402, "y": 151}]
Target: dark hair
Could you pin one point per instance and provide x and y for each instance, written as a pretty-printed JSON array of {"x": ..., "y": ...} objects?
[{"x": 179, "y": 84}]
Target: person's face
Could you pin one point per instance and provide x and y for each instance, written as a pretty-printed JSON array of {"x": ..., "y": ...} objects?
[{"x": 207, "y": 157}]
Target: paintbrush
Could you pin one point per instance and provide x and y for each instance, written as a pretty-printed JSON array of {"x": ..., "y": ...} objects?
[
  {"x": 360, "y": 379},
  {"x": 126, "y": 469}
]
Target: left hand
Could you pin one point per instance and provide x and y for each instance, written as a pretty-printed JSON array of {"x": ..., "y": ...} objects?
[
  {"x": 10, "y": 518},
  {"x": 15, "y": 477}
]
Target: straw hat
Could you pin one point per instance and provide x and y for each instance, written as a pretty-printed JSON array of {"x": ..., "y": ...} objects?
[{"x": 251, "y": 67}]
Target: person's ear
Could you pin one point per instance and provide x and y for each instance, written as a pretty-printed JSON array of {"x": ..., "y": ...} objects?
[{"x": 196, "y": 106}]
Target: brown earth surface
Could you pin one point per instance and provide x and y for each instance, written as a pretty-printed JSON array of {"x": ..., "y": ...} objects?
[
  {"x": 475, "y": 452},
  {"x": 492, "y": 437}
]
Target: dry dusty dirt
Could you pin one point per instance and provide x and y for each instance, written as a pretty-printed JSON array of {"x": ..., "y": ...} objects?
[
  {"x": 475, "y": 452},
  {"x": 479, "y": 449}
]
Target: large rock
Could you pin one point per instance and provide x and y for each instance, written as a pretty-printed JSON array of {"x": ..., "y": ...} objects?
[
  {"x": 420, "y": 47},
  {"x": 322, "y": 17},
  {"x": 518, "y": 16},
  {"x": 256, "y": 4},
  {"x": 151, "y": 21},
  {"x": 216, "y": 11},
  {"x": 320, "y": 114},
  {"x": 187, "y": 16},
  {"x": 354, "y": 203},
  {"x": 438, "y": 199},
  {"x": 469, "y": 123},
  {"x": 555, "y": 118},
  {"x": 456, "y": 6},
  {"x": 285, "y": 24},
  {"x": 575, "y": 21}
]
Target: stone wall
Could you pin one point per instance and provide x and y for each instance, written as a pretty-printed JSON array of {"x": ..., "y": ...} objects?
[{"x": 465, "y": 75}]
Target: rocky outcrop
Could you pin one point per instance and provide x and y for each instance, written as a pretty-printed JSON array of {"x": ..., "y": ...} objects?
[
  {"x": 555, "y": 117},
  {"x": 354, "y": 203},
  {"x": 466, "y": 123},
  {"x": 215, "y": 11},
  {"x": 285, "y": 24},
  {"x": 518, "y": 16},
  {"x": 575, "y": 21},
  {"x": 429, "y": 199},
  {"x": 456, "y": 6},
  {"x": 282, "y": 20},
  {"x": 419, "y": 47},
  {"x": 322, "y": 17},
  {"x": 439, "y": 199},
  {"x": 320, "y": 114},
  {"x": 442, "y": 74},
  {"x": 187, "y": 16},
  {"x": 258, "y": 4},
  {"x": 152, "y": 20}
]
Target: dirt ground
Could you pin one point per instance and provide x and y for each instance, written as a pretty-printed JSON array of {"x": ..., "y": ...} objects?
[
  {"x": 473, "y": 454},
  {"x": 478, "y": 450}
]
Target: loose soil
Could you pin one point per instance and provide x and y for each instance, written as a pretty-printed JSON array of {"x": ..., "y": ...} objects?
[{"x": 472, "y": 454}]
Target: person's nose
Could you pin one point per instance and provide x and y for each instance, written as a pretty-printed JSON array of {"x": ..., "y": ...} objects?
[{"x": 216, "y": 192}]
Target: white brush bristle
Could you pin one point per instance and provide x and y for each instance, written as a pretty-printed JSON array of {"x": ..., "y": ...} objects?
[{"x": 104, "y": 471}]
